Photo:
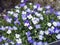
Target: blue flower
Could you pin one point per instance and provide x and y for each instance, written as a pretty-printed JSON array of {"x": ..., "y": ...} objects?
[{"x": 37, "y": 26}]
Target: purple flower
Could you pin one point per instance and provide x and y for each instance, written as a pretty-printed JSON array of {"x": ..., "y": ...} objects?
[
  {"x": 24, "y": 17},
  {"x": 8, "y": 40},
  {"x": 17, "y": 22},
  {"x": 34, "y": 43},
  {"x": 18, "y": 44},
  {"x": 1, "y": 39},
  {"x": 37, "y": 26},
  {"x": 22, "y": 4},
  {"x": 2, "y": 28},
  {"x": 28, "y": 33},
  {"x": 57, "y": 13},
  {"x": 28, "y": 10},
  {"x": 26, "y": 23},
  {"x": 58, "y": 23},
  {"x": 39, "y": 43},
  {"x": 48, "y": 7}
]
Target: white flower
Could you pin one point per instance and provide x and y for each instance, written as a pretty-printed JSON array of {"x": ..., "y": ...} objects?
[
  {"x": 54, "y": 24},
  {"x": 41, "y": 32},
  {"x": 17, "y": 7},
  {"x": 46, "y": 32},
  {"x": 18, "y": 40},
  {"x": 6, "y": 44},
  {"x": 14, "y": 28},
  {"x": 29, "y": 16},
  {"x": 49, "y": 24},
  {"x": 39, "y": 8},
  {"x": 17, "y": 35},
  {"x": 58, "y": 17},
  {"x": 6, "y": 27},
  {"x": 30, "y": 27},
  {"x": 38, "y": 14},
  {"x": 34, "y": 6},
  {"x": 17, "y": 10},
  {"x": 35, "y": 20},
  {"x": 12, "y": 43},
  {"x": 45, "y": 43},
  {"x": 41, "y": 18},
  {"x": 15, "y": 15},
  {"x": 25, "y": 7},
  {"x": 23, "y": 12},
  {"x": 43, "y": 11},
  {"x": 41, "y": 37},
  {"x": 58, "y": 36},
  {"x": 30, "y": 3},
  {"x": 9, "y": 32},
  {"x": 11, "y": 12}
]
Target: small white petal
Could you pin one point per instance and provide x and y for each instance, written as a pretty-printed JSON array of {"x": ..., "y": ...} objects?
[
  {"x": 41, "y": 32},
  {"x": 58, "y": 36},
  {"x": 30, "y": 16},
  {"x": 46, "y": 32},
  {"x": 58, "y": 17},
  {"x": 18, "y": 40},
  {"x": 25, "y": 7},
  {"x": 30, "y": 27},
  {"x": 40, "y": 9},
  {"x": 54, "y": 24},
  {"x": 41, "y": 37},
  {"x": 17, "y": 35},
  {"x": 49, "y": 24},
  {"x": 9, "y": 32}
]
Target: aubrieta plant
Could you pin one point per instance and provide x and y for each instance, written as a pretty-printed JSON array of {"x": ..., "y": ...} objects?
[{"x": 30, "y": 24}]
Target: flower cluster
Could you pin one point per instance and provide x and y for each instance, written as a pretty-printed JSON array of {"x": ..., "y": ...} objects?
[{"x": 30, "y": 23}]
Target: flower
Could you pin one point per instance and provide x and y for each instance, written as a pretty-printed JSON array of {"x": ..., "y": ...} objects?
[
  {"x": 9, "y": 32},
  {"x": 46, "y": 32},
  {"x": 41, "y": 32},
  {"x": 30, "y": 27},
  {"x": 49, "y": 24},
  {"x": 40, "y": 43},
  {"x": 45, "y": 43},
  {"x": 6, "y": 43},
  {"x": 24, "y": 17},
  {"x": 40, "y": 8},
  {"x": 41, "y": 18},
  {"x": 2, "y": 28},
  {"x": 58, "y": 36},
  {"x": 14, "y": 28},
  {"x": 37, "y": 26},
  {"x": 54, "y": 23},
  {"x": 28, "y": 10},
  {"x": 35, "y": 20},
  {"x": 57, "y": 13},
  {"x": 17, "y": 35},
  {"x": 19, "y": 40},
  {"x": 1, "y": 39},
  {"x": 25, "y": 7},
  {"x": 24, "y": 12},
  {"x": 29, "y": 16},
  {"x": 48, "y": 7},
  {"x": 22, "y": 4},
  {"x": 17, "y": 10},
  {"x": 28, "y": 33},
  {"x": 41, "y": 37}
]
